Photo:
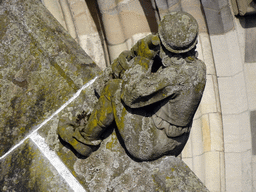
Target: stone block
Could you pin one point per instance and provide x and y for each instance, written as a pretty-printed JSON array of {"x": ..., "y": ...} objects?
[
  {"x": 80, "y": 17},
  {"x": 198, "y": 113},
  {"x": 216, "y": 132},
  {"x": 236, "y": 62},
  {"x": 249, "y": 72},
  {"x": 206, "y": 133},
  {"x": 206, "y": 53},
  {"x": 91, "y": 44},
  {"x": 87, "y": 26},
  {"x": 41, "y": 68},
  {"x": 254, "y": 172},
  {"x": 211, "y": 4},
  {"x": 188, "y": 161},
  {"x": 218, "y": 16},
  {"x": 187, "y": 152},
  {"x": 55, "y": 9},
  {"x": 209, "y": 102},
  {"x": 245, "y": 131},
  {"x": 247, "y": 178},
  {"x": 113, "y": 28},
  {"x": 77, "y": 7},
  {"x": 253, "y": 130},
  {"x": 241, "y": 34},
  {"x": 227, "y": 54},
  {"x": 233, "y": 94},
  {"x": 227, "y": 19},
  {"x": 237, "y": 134},
  {"x": 68, "y": 19},
  {"x": 172, "y": 2},
  {"x": 214, "y": 21},
  {"x": 232, "y": 42},
  {"x": 106, "y": 6},
  {"x": 26, "y": 169},
  {"x": 222, "y": 172},
  {"x": 221, "y": 55},
  {"x": 176, "y": 7},
  {"x": 199, "y": 167},
  {"x": 115, "y": 50},
  {"x": 213, "y": 171},
  {"x": 192, "y": 3},
  {"x": 223, "y": 3},
  {"x": 196, "y": 137},
  {"x": 250, "y": 44},
  {"x": 140, "y": 23},
  {"x": 142, "y": 15},
  {"x": 127, "y": 19},
  {"x": 216, "y": 90},
  {"x": 231, "y": 133},
  {"x": 233, "y": 171}
]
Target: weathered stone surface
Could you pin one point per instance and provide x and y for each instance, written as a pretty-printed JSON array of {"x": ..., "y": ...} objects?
[
  {"x": 111, "y": 169},
  {"x": 152, "y": 97},
  {"x": 41, "y": 67},
  {"x": 218, "y": 17},
  {"x": 26, "y": 169},
  {"x": 250, "y": 39},
  {"x": 178, "y": 32}
]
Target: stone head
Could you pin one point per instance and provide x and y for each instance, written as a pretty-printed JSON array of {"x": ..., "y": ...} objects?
[{"x": 178, "y": 32}]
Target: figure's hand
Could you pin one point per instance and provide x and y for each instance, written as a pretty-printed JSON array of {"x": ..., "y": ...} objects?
[
  {"x": 146, "y": 47},
  {"x": 121, "y": 64}
]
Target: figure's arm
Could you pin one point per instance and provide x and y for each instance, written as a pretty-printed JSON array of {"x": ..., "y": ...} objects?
[
  {"x": 150, "y": 88},
  {"x": 146, "y": 47}
]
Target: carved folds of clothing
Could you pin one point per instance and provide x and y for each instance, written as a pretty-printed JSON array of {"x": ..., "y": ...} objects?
[{"x": 146, "y": 97}]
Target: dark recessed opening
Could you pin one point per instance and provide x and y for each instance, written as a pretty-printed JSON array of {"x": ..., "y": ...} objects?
[{"x": 253, "y": 131}]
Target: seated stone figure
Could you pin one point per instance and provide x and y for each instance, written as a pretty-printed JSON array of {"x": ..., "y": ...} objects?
[{"x": 152, "y": 95}]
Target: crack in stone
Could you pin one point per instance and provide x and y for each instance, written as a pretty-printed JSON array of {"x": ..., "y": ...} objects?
[
  {"x": 57, "y": 163},
  {"x": 49, "y": 118}
]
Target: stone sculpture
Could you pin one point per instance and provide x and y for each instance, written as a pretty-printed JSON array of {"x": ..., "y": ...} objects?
[{"x": 151, "y": 93}]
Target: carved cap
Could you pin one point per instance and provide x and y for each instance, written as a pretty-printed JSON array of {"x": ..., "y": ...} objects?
[{"x": 178, "y": 32}]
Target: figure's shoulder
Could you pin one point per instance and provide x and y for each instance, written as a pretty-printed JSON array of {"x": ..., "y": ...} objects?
[
  {"x": 197, "y": 63},
  {"x": 201, "y": 65},
  {"x": 200, "y": 70},
  {"x": 195, "y": 68}
]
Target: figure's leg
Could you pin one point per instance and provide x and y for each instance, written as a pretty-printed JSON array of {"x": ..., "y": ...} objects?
[
  {"x": 84, "y": 139},
  {"x": 101, "y": 118}
]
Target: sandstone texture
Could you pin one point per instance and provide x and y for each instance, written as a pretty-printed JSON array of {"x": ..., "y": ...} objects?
[
  {"x": 26, "y": 169},
  {"x": 41, "y": 67}
]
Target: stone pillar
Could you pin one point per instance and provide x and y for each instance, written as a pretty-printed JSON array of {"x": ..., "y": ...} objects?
[
  {"x": 125, "y": 23},
  {"x": 82, "y": 20}
]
